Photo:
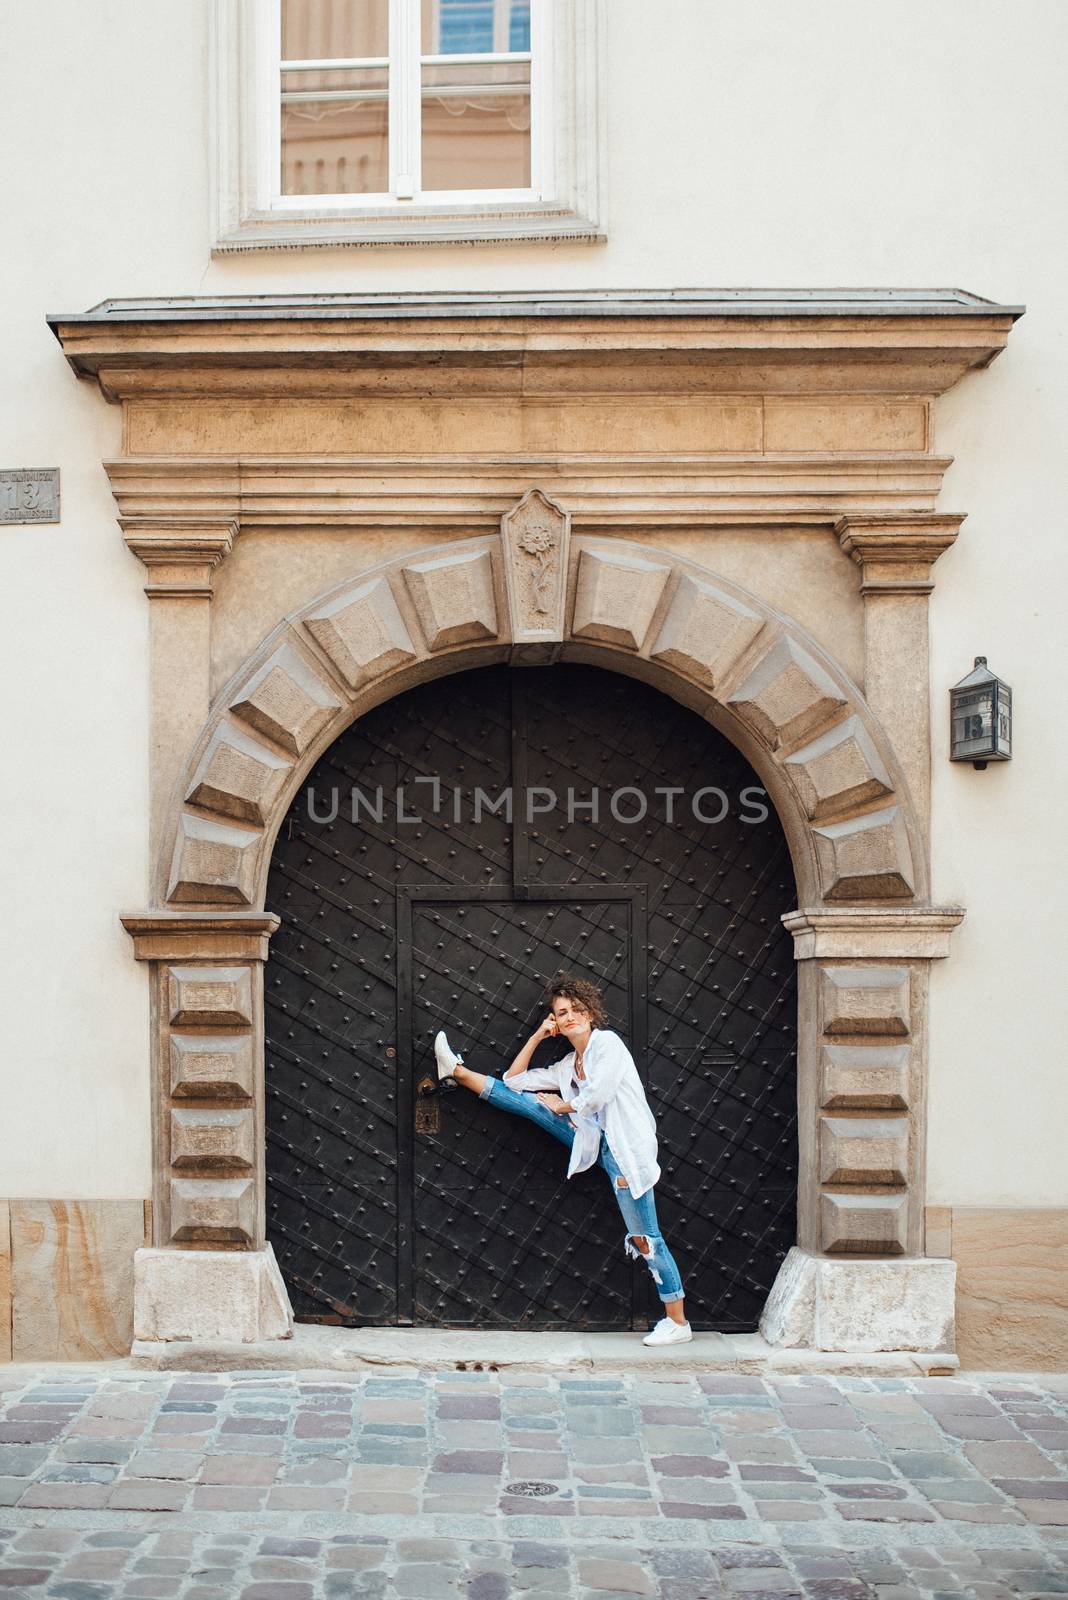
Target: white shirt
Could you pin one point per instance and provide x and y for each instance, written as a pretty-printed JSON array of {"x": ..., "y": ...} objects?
[{"x": 611, "y": 1098}]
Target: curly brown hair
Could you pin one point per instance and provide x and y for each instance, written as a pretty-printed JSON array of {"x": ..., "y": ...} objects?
[{"x": 581, "y": 992}]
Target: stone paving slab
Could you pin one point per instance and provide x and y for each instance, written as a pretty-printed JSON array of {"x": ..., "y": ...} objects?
[{"x": 279, "y": 1485}]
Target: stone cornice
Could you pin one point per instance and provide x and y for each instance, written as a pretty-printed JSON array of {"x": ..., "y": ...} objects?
[
  {"x": 180, "y": 553},
  {"x": 880, "y": 933},
  {"x": 896, "y": 551},
  {"x": 603, "y": 491},
  {"x": 787, "y": 342},
  {"x": 160, "y": 935}
]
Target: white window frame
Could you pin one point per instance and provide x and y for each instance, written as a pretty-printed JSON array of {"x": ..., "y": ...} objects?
[{"x": 564, "y": 201}]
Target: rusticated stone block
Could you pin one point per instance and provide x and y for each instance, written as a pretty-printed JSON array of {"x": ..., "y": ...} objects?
[
  {"x": 453, "y": 597},
  {"x": 704, "y": 632},
  {"x": 203, "y": 1068},
  {"x": 213, "y": 863},
  {"x": 840, "y": 769},
  {"x": 238, "y": 777},
  {"x": 225, "y": 1295},
  {"x": 616, "y": 597},
  {"x": 212, "y": 1140},
  {"x": 209, "y": 997},
  {"x": 856, "y": 1077},
  {"x": 867, "y": 858},
  {"x": 1012, "y": 1286},
  {"x": 899, "y": 1304},
  {"x": 864, "y": 1224},
  {"x": 363, "y": 632},
  {"x": 287, "y": 701},
  {"x": 5, "y": 1281},
  {"x": 787, "y": 696},
  {"x": 871, "y": 1000},
  {"x": 72, "y": 1277},
  {"x": 864, "y": 1150},
  {"x": 213, "y": 1210}
]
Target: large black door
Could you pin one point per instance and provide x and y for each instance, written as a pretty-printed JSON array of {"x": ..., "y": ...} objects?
[{"x": 411, "y": 900}]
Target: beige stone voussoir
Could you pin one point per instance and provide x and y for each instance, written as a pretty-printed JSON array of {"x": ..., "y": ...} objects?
[
  {"x": 238, "y": 776},
  {"x": 866, "y": 858},
  {"x": 616, "y": 594},
  {"x": 787, "y": 696},
  {"x": 362, "y": 632},
  {"x": 286, "y": 701},
  {"x": 839, "y": 770},
  {"x": 705, "y": 631},
  {"x": 454, "y": 597},
  {"x": 213, "y": 864},
  {"x": 237, "y": 1296}
]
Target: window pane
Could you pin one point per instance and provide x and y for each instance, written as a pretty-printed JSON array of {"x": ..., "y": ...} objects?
[
  {"x": 470, "y": 27},
  {"x": 315, "y": 30},
  {"x": 335, "y": 121},
  {"x": 335, "y": 131},
  {"x": 476, "y": 126}
]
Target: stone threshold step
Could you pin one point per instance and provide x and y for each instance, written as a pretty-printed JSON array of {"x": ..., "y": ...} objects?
[{"x": 329, "y": 1349}]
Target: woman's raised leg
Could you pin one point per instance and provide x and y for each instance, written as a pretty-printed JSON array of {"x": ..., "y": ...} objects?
[{"x": 518, "y": 1103}]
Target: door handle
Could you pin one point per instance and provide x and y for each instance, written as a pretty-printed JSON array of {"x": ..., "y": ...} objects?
[{"x": 427, "y": 1106}]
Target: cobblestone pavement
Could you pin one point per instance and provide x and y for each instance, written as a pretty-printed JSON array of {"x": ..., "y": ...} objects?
[{"x": 485, "y": 1485}]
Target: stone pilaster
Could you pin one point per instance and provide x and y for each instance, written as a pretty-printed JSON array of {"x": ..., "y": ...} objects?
[
  {"x": 180, "y": 557},
  {"x": 208, "y": 1134},
  {"x": 858, "y": 1279},
  {"x": 896, "y": 553}
]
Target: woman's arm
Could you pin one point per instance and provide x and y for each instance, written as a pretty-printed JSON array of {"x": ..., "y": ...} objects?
[
  {"x": 522, "y": 1060},
  {"x": 603, "y": 1082}
]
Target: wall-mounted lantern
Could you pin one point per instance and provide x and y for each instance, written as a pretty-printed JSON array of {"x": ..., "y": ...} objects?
[{"x": 980, "y": 717}]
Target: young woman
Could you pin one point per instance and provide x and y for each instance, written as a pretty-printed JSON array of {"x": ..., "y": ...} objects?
[{"x": 593, "y": 1101}]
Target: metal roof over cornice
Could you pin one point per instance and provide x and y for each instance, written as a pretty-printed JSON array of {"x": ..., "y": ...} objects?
[
  {"x": 548, "y": 303},
  {"x": 522, "y": 343}
]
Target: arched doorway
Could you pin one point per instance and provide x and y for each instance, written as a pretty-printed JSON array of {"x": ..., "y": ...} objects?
[{"x": 401, "y": 913}]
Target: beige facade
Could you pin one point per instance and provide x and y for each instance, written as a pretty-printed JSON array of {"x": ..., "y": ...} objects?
[{"x": 746, "y": 507}]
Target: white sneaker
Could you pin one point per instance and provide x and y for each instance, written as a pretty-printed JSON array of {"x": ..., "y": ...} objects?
[
  {"x": 668, "y": 1332},
  {"x": 447, "y": 1059}
]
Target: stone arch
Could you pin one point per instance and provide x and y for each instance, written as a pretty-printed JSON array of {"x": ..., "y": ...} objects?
[
  {"x": 751, "y": 671},
  {"x": 864, "y": 932}
]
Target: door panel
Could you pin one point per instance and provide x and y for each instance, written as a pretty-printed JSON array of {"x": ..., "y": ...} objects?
[
  {"x": 502, "y": 1237},
  {"x": 401, "y": 913}
]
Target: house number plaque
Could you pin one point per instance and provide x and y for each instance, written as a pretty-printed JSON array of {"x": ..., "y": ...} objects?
[{"x": 29, "y": 494}]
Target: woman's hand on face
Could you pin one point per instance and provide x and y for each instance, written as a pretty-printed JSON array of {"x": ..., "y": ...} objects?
[
  {"x": 552, "y": 1101},
  {"x": 548, "y": 1029}
]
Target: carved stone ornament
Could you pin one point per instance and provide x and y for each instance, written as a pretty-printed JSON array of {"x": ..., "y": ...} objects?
[{"x": 535, "y": 535}]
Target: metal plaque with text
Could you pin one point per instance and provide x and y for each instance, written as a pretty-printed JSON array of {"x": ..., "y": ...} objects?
[{"x": 29, "y": 494}]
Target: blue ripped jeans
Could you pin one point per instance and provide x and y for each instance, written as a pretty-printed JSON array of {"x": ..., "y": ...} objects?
[{"x": 639, "y": 1215}]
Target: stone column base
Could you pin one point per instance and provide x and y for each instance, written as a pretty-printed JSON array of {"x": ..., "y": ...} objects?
[
  {"x": 234, "y": 1295},
  {"x": 899, "y": 1303}
]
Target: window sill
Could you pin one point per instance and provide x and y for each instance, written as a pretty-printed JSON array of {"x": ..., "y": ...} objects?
[{"x": 522, "y": 222}]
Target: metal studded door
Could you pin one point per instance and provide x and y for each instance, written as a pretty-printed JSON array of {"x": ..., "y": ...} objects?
[
  {"x": 499, "y": 1237},
  {"x": 639, "y": 849}
]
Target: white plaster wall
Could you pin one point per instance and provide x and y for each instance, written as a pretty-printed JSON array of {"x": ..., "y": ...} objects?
[{"x": 828, "y": 144}]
